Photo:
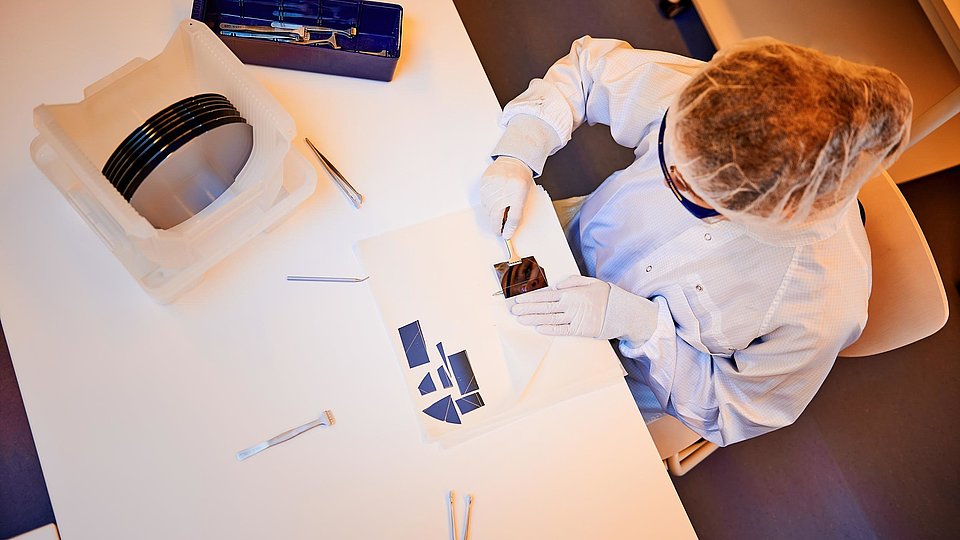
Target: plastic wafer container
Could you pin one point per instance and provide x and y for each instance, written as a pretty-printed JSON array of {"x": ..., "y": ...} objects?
[{"x": 76, "y": 139}]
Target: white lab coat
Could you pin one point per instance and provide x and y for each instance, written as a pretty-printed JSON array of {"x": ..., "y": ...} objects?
[{"x": 748, "y": 326}]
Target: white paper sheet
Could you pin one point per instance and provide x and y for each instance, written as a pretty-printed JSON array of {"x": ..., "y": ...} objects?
[{"x": 440, "y": 273}]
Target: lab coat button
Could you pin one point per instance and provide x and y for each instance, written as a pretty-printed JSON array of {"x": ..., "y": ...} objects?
[
  {"x": 700, "y": 288},
  {"x": 649, "y": 268},
  {"x": 707, "y": 237}
]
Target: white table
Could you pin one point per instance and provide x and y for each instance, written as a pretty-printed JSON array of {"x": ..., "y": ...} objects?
[{"x": 137, "y": 409}]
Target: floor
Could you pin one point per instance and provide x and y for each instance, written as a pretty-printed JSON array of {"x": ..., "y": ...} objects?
[
  {"x": 24, "y": 504},
  {"x": 877, "y": 453}
]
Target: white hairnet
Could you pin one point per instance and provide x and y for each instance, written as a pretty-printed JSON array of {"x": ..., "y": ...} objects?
[{"x": 778, "y": 136}]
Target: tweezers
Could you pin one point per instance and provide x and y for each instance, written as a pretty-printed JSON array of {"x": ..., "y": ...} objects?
[
  {"x": 349, "y": 32},
  {"x": 355, "y": 197},
  {"x": 328, "y": 279},
  {"x": 326, "y": 420}
]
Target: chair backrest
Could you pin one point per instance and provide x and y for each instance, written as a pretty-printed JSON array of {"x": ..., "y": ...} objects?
[{"x": 907, "y": 301}]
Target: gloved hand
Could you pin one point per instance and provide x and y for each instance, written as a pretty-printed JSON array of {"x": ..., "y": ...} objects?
[
  {"x": 506, "y": 182},
  {"x": 589, "y": 307}
]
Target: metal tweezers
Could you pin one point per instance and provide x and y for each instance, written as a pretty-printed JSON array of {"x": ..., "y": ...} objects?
[
  {"x": 297, "y": 35},
  {"x": 326, "y": 420},
  {"x": 355, "y": 197},
  {"x": 328, "y": 279}
]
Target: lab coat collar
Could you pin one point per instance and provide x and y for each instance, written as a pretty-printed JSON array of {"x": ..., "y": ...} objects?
[{"x": 799, "y": 235}]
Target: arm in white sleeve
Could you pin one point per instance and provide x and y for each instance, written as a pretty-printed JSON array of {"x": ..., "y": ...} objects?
[
  {"x": 601, "y": 81},
  {"x": 758, "y": 389},
  {"x": 530, "y": 140}
]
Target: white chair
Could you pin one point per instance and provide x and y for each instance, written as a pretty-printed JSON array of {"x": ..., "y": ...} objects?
[{"x": 907, "y": 303}]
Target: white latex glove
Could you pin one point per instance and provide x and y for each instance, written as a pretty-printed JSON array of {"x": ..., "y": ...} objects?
[
  {"x": 582, "y": 306},
  {"x": 506, "y": 182}
]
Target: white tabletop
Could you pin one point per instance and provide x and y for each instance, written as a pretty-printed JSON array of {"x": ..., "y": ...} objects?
[{"x": 137, "y": 409}]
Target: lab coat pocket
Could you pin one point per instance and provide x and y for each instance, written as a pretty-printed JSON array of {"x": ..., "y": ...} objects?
[
  {"x": 688, "y": 326},
  {"x": 708, "y": 315}
]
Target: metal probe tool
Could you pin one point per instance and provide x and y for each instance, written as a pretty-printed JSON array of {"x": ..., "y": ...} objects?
[{"x": 348, "y": 190}]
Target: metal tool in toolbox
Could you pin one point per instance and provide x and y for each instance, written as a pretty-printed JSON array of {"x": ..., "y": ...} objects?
[{"x": 287, "y": 33}]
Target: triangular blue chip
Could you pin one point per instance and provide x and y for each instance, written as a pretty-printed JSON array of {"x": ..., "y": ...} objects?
[
  {"x": 427, "y": 385},
  {"x": 443, "y": 355},
  {"x": 444, "y": 410}
]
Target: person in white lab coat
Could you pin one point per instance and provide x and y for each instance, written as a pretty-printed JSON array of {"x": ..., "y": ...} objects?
[{"x": 730, "y": 258}]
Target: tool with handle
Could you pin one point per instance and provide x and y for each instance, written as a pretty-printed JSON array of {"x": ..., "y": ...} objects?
[
  {"x": 326, "y": 420},
  {"x": 518, "y": 275},
  {"x": 348, "y": 190}
]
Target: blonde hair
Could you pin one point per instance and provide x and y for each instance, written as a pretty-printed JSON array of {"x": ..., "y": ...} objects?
[{"x": 776, "y": 133}]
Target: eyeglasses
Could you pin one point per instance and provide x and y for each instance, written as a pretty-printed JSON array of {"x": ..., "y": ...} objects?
[{"x": 700, "y": 212}]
